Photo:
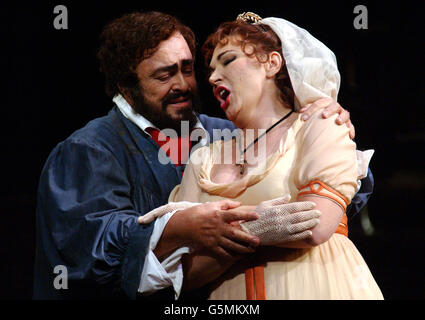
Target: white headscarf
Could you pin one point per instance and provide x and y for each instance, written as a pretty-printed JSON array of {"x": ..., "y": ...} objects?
[
  {"x": 312, "y": 66},
  {"x": 313, "y": 71}
]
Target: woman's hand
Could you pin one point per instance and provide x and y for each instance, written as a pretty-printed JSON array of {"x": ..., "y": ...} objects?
[
  {"x": 281, "y": 222},
  {"x": 330, "y": 107}
]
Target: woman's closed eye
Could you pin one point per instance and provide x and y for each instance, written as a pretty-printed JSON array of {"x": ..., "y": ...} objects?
[{"x": 228, "y": 60}]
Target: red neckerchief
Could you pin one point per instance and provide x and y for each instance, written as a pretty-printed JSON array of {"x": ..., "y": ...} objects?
[{"x": 177, "y": 149}]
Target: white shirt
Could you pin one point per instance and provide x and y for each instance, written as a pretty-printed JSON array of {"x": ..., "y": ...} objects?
[{"x": 157, "y": 275}]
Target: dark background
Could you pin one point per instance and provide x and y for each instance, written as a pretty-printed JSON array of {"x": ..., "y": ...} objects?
[{"x": 51, "y": 86}]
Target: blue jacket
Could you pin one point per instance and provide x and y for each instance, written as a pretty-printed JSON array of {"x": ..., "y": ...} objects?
[{"x": 92, "y": 189}]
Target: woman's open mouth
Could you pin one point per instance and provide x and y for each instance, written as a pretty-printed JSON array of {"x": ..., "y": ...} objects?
[{"x": 222, "y": 94}]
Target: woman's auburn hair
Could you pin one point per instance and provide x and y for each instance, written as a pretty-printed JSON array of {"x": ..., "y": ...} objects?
[{"x": 262, "y": 39}]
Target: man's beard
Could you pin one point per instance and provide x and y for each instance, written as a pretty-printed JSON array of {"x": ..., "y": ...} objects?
[{"x": 159, "y": 116}]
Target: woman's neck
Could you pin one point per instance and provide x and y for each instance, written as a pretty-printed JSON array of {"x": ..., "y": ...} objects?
[
  {"x": 267, "y": 113},
  {"x": 267, "y": 116},
  {"x": 270, "y": 108}
]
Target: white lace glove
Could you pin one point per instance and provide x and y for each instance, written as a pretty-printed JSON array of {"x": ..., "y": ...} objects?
[
  {"x": 281, "y": 221},
  {"x": 160, "y": 211}
]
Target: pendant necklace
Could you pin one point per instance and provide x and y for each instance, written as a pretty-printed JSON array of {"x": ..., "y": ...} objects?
[{"x": 242, "y": 152}]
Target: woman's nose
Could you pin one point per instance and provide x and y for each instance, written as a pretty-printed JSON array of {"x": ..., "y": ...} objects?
[{"x": 214, "y": 78}]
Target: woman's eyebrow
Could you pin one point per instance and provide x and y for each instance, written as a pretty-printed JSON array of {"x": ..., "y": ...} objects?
[
  {"x": 210, "y": 68},
  {"x": 222, "y": 54}
]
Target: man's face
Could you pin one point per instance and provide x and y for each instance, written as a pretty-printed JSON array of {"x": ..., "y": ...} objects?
[{"x": 167, "y": 84}]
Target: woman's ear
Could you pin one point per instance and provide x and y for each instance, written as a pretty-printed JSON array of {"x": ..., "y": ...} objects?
[{"x": 274, "y": 64}]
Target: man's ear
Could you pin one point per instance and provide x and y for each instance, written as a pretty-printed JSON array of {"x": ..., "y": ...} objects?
[
  {"x": 124, "y": 92},
  {"x": 274, "y": 64}
]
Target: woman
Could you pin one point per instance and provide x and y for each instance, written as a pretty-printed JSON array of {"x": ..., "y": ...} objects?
[{"x": 261, "y": 71}]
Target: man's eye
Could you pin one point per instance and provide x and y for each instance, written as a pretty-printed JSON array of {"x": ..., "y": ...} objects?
[
  {"x": 164, "y": 77},
  {"x": 227, "y": 61},
  {"x": 188, "y": 70}
]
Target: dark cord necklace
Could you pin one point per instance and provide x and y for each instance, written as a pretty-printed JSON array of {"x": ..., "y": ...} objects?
[{"x": 242, "y": 153}]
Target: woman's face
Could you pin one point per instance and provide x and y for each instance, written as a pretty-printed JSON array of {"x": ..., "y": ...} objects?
[{"x": 237, "y": 80}]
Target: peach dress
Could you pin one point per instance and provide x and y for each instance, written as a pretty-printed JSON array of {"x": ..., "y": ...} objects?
[{"x": 312, "y": 153}]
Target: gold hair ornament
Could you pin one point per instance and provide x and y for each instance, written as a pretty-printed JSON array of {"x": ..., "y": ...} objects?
[{"x": 249, "y": 17}]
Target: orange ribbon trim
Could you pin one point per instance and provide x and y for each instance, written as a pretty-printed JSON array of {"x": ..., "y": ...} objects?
[
  {"x": 317, "y": 191},
  {"x": 343, "y": 227},
  {"x": 254, "y": 283},
  {"x": 249, "y": 284},
  {"x": 339, "y": 198}
]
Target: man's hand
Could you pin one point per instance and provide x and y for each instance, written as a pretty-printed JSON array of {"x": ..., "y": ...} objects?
[
  {"x": 330, "y": 107},
  {"x": 281, "y": 222},
  {"x": 209, "y": 226},
  {"x": 162, "y": 210}
]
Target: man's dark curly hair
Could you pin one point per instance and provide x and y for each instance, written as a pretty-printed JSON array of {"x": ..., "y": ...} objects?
[{"x": 128, "y": 40}]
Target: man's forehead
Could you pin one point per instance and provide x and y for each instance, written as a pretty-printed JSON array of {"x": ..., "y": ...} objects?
[{"x": 173, "y": 50}]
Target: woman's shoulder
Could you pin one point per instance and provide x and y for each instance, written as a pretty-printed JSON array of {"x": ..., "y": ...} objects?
[{"x": 316, "y": 125}]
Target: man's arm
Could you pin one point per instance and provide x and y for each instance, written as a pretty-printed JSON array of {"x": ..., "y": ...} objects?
[
  {"x": 87, "y": 221},
  {"x": 362, "y": 196},
  {"x": 202, "y": 268}
]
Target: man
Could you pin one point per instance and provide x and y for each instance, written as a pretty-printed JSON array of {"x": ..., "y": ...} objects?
[{"x": 99, "y": 181}]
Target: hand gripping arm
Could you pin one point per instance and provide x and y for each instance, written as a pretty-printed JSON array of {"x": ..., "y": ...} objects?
[{"x": 281, "y": 222}]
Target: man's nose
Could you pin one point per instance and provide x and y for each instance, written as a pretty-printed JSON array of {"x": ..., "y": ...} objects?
[{"x": 180, "y": 83}]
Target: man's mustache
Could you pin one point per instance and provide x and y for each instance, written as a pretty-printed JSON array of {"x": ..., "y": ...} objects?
[{"x": 175, "y": 95}]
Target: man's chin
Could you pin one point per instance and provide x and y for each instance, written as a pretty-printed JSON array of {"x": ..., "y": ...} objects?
[
  {"x": 185, "y": 115},
  {"x": 180, "y": 113}
]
